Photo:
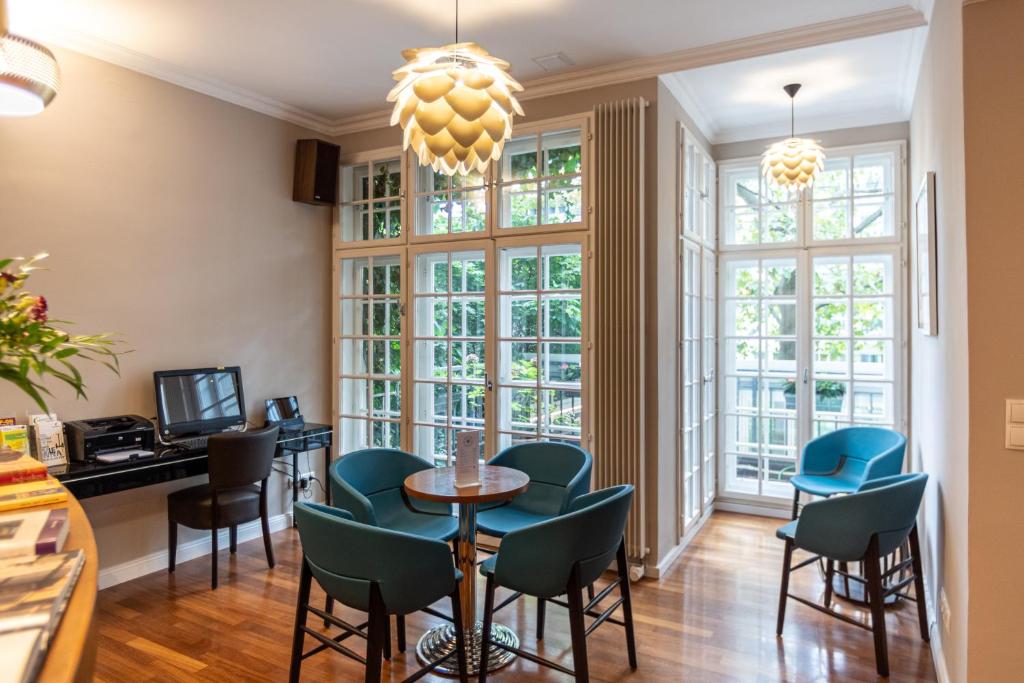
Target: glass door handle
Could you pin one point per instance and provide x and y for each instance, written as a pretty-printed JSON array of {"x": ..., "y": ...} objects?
[{"x": 807, "y": 375}]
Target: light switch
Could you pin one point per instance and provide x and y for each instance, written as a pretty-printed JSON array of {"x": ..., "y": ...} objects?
[{"x": 1015, "y": 424}]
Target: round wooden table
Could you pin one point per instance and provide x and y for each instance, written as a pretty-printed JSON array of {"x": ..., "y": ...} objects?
[{"x": 495, "y": 484}]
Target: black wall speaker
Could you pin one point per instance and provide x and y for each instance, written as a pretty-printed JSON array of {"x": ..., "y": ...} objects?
[{"x": 316, "y": 172}]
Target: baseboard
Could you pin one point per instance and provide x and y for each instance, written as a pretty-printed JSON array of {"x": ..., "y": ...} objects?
[
  {"x": 938, "y": 656},
  {"x": 753, "y": 509},
  {"x": 658, "y": 570},
  {"x": 140, "y": 566}
]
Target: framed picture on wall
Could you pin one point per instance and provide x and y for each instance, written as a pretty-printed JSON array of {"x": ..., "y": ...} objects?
[{"x": 925, "y": 266}]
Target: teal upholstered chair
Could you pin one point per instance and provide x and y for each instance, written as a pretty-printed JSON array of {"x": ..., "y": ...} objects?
[
  {"x": 862, "y": 527},
  {"x": 560, "y": 557},
  {"x": 559, "y": 472},
  {"x": 368, "y": 484},
  {"x": 374, "y": 570},
  {"x": 843, "y": 460}
]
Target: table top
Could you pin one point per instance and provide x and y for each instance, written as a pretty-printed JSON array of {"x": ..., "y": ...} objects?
[
  {"x": 72, "y": 651},
  {"x": 438, "y": 484}
]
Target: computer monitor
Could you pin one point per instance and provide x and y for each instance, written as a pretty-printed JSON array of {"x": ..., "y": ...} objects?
[{"x": 199, "y": 401}]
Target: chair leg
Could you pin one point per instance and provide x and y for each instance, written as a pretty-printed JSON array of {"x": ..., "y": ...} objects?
[
  {"x": 329, "y": 608},
  {"x": 298, "y": 636},
  {"x": 400, "y": 627},
  {"x": 376, "y": 635},
  {"x": 485, "y": 636},
  {"x": 577, "y": 628},
  {"x": 541, "y": 604},
  {"x": 268, "y": 545},
  {"x": 830, "y": 572},
  {"x": 590, "y": 592},
  {"x": 787, "y": 560},
  {"x": 172, "y": 544},
  {"x": 877, "y": 603},
  {"x": 460, "y": 636},
  {"x": 215, "y": 514},
  {"x": 233, "y": 538},
  {"x": 627, "y": 603},
  {"x": 796, "y": 503},
  {"x": 922, "y": 608},
  {"x": 387, "y": 638}
]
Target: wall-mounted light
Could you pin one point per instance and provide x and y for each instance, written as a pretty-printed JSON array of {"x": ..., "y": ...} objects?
[{"x": 29, "y": 75}]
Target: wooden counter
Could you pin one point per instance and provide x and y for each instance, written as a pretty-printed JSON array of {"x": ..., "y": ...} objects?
[{"x": 72, "y": 652}]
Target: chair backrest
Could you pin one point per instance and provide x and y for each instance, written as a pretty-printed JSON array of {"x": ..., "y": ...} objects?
[
  {"x": 346, "y": 557},
  {"x": 559, "y": 473},
  {"x": 241, "y": 458},
  {"x": 538, "y": 560},
  {"x": 363, "y": 480},
  {"x": 869, "y": 452},
  {"x": 841, "y": 527}
]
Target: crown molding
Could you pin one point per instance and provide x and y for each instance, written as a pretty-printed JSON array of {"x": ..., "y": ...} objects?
[
  {"x": 848, "y": 28},
  {"x": 157, "y": 68},
  {"x": 691, "y": 105}
]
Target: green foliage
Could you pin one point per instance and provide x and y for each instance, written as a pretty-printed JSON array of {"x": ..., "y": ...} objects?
[{"x": 32, "y": 349}]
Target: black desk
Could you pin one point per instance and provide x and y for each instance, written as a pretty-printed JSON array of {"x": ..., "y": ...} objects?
[{"x": 88, "y": 479}]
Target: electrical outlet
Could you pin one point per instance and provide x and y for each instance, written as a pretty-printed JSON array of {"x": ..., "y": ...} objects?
[
  {"x": 305, "y": 480},
  {"x": 944, "y": 611}
]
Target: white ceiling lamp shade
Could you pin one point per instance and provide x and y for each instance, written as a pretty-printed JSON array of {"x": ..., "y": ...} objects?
[
  {"x": 792, "y": 163},
  {"x": 29, "y": 75},
  {"x": 455, "y": 105}
]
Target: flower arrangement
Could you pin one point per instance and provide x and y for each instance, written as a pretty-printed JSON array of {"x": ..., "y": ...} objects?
[{"x": 31, "y": 348}]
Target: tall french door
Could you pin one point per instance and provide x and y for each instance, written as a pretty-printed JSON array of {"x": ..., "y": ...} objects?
[
  {"x": 697, "y": 333},
  {"x": 811, "y": 318},
  {"x": 810, "y": 343}
]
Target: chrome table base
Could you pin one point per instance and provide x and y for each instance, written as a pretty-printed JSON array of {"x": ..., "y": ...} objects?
[{"x": 440, "y": 641}]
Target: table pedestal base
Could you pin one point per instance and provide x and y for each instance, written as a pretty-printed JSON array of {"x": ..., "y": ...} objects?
[{"x": 440, "y": 641}]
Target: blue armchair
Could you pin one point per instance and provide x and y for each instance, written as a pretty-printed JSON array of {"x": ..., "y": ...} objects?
[
  {"x": 843, "y": 460},
  {"x": 368, "y": 484},
  {"x": 560, "y": 557},
  {"x": 862, "y": 527},
  {"x": 559, "y": 473},
  {"x": 373, "y": 570}
]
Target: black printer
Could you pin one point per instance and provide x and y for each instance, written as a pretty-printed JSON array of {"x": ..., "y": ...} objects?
[{"x": 88, "y": 438}]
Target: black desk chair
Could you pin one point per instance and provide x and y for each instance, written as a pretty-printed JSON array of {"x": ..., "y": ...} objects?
[{"x": 237, "y": 461}]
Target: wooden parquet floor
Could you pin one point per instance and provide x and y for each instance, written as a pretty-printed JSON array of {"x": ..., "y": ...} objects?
[{"x": 711, "y": 618}]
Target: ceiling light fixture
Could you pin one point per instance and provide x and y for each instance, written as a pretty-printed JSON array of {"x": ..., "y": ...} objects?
[
  {"x": 792, "y": 163},
  {"x": 29, "y": 76},
  {"x": 455, "y": 105}
]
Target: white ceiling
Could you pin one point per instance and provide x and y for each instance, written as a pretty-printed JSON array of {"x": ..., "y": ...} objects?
[
  {"x": 325, "y": 60},
  {"x": 859, "y": 82}
]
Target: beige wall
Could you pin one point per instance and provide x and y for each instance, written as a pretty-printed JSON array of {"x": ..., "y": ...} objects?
[
  {"x": 939, "y": 368},
  {"x": 169, "y": 219},
  {"x": 863, "y": 135},
  {"x": 993, "y": 76}
]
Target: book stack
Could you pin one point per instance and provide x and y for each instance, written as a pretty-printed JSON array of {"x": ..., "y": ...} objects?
[
  {"x": 34, "y": 592},
  {"x": 25, "y": 482},
  {"x": 36, "y": 578}
]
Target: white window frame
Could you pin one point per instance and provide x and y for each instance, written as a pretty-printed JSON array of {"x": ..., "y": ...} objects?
[
  {"x": 409, "y": 244},
  {"x": 804, "y": 250}
]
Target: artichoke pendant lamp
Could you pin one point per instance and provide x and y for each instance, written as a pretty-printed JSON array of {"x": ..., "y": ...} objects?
[
  {"x": 792, "y": 163},
  {"x": 29, "y": 76},
  {"x": 455, "y": 105}
]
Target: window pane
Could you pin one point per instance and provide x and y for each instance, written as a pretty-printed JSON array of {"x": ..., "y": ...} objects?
[
  {"x": 562, "y": 199},
  {"x": 562, "y": 152},
  {"x": 779, "y": 223},
  {"x": 519, "y": 158},
  {"x": 469, "y": 211},
  {"x": 832, "y": 220},
  {"x": 873, "y": 217}
]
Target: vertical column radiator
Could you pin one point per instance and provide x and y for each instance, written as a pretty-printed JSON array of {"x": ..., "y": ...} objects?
[{"x": 618, "y": 308}]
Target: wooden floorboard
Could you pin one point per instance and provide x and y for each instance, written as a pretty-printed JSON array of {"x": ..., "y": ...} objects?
[{"x": 711, "y": 618}]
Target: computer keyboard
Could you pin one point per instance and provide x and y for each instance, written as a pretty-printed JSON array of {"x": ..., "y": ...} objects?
[{"x": 192, "y": 443}]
